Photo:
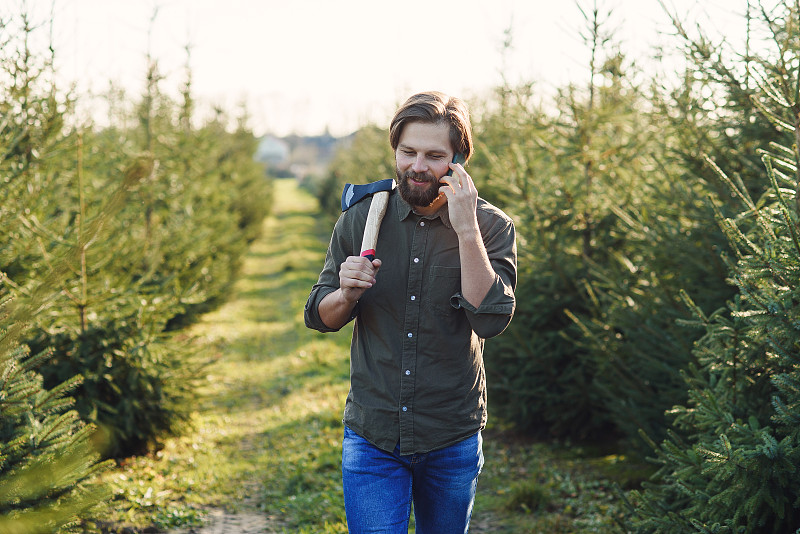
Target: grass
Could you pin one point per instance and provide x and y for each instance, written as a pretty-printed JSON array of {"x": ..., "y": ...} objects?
[{"x": 266, "y": 434}]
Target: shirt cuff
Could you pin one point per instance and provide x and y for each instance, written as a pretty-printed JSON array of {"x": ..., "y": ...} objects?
[
  {"x": 494, "y": 313},
  {"x": 498, "y": 300},
  {"x": 311, "y": 312}
]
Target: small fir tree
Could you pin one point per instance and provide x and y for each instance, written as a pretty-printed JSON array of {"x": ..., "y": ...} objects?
[
  {"x": 561, "y": 176},
  {"x": 732, "y": 461},
  {"x": 48, "y": 456},
  {"x": 138, "y": 228}
]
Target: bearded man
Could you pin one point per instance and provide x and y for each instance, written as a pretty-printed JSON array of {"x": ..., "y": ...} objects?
[{"x": 442, "y": 281}]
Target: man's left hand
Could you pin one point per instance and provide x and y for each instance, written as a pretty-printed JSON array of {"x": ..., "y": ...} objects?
[{"x": 462, "y": 199}]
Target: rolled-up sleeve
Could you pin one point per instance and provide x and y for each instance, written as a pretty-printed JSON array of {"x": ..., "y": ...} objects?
[
  {"x": 497, "y": 308},
  {"x": 328, "y": 282},
  {"x": 311, "y": 314}
]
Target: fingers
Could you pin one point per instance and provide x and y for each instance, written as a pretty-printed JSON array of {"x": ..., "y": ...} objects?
[
  {"x": 459, "y": 182},
  {"x": 462, "y": 199},
  {"x": 358, "y": 273}
]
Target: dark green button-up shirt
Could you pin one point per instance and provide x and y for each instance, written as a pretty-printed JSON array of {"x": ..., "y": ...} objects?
[{"x": 416, "y": 360}]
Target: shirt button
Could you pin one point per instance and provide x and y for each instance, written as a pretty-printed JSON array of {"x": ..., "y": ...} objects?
[
  {"x": 422, "y": 223},
  {"x": 416, "y": 260},
  {"x": 413, "y": 297},
  {"x": 410, "y": 334},
  {"x": 405, "y": 408},
  {"x": 408, "y": 372}
]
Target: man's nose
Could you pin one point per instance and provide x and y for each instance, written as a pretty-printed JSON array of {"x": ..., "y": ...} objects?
[{"x": 419, "y": 164}]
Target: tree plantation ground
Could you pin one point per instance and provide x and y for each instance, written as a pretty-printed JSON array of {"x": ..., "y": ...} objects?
[
  {"x": 149, "y": 288},
  {"x": 264, "y": 451}
]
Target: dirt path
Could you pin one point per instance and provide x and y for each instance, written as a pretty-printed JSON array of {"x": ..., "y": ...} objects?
[
  {"x": 220, "y": 522},
  {"x": 248, "y": 330}
]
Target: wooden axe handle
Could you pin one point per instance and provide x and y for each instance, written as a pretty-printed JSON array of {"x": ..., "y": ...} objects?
[{"x": 377, "y": 209}]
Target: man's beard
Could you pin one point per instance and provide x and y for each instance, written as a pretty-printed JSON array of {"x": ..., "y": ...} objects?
[{"x": 417, "y": 196}]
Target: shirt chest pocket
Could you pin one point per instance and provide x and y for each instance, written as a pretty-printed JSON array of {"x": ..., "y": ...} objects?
[{"x": 445, "y": 282}]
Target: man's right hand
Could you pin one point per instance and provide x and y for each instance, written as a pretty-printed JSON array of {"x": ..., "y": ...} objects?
[{"x": 356, "y": 275}]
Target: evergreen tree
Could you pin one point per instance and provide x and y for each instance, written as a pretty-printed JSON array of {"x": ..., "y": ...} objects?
[
  {"x": 156, "y": 242},
  {"x": 712, "y": 108},
  {"x": 137, "y": 228},
  {"x": 107, "y": 324},
  {"x": 621, "y": 371},
  {"x": 48, "y": 456},
  {"x": 668, "y": 243},
  {"x": 732, "y": 462},
  {"x": 562, "y": 178}
]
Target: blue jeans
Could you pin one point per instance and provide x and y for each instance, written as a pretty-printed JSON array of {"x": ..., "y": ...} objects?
[{"x": 379, "y": 487}]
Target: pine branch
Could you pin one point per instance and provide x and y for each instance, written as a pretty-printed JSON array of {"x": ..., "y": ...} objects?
[
  {"x": 768, "y": 88},
  {"x": 779, "y": 122},
  {"x": 34, "y": 362},
  {"x": 56, "y": 427},
  {"x": 743, "y": 196},
  {"x": 32, "y": 223},
  {"x": 782, "y": 160},
  {"x": 44, "y": 403},
  {"x": 784, "y": 207}
]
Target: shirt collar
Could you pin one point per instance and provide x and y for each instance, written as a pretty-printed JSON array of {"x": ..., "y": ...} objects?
[{"x": 404, "y": 210}]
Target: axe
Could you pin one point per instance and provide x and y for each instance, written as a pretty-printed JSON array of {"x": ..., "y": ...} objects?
[{"x": 377, "y": 209}]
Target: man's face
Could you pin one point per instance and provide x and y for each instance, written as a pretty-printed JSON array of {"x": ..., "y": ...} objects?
[{"x": 422, "y": 157}]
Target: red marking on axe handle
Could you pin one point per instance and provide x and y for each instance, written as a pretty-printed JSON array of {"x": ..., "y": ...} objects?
[{"x": 377, "y": 209}]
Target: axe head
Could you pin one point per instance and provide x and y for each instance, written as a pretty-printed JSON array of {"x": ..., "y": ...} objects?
[{"x": 354, "y": 192}]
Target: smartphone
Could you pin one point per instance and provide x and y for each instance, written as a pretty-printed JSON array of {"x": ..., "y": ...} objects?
[{"x": 457, "y": 158}]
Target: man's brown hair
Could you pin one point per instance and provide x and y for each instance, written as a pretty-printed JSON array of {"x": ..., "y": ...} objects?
[{"x": 434, "y": 107}]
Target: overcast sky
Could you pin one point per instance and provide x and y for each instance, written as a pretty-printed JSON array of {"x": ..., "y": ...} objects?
[{"x": 306, "y": 65}]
